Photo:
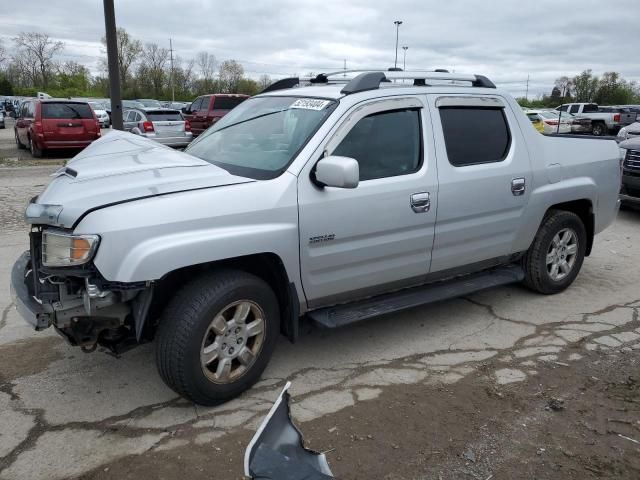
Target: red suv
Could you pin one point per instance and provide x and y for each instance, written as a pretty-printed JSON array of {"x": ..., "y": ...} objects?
[
  {"x": 206, "y": 110},
  {"x": 55, "y": 124}
]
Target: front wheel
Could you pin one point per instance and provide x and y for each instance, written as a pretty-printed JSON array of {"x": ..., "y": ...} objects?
[
  {"x": 217, "y": 336},
  {"x": 555, "y": 257}
]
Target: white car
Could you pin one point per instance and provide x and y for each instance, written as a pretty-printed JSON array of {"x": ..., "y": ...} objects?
[
  {"x": 101, "y": 114},
  {"x": 549, "y": 121}
]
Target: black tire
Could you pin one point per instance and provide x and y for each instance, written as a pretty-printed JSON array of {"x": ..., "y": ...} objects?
[
  {"x": 599, "y": 129},
  {"x": 186, "y": 321},
  {"x": 537, "y": 275},
  {"x": 35, "y": 151},
  {"x": 18, "y": 142}
]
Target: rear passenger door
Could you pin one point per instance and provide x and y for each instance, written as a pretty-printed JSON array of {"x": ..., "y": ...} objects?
[{"x": 484, "y": 177}]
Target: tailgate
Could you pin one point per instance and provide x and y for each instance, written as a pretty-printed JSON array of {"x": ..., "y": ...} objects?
[
  {"x": 627, "y": 118},
  {"x": 71, "y": 129},
  {"x": 169, "y": 128}
]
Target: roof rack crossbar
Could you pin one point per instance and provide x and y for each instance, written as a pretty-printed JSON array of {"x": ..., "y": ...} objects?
[{"x": 371, "y": 79}]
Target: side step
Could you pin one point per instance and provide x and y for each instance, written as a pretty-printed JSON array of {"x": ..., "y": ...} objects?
[{"x": 341, "y": 315}]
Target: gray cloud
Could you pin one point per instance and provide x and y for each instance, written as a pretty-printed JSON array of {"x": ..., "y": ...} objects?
[{"x": 503, "y": 39}]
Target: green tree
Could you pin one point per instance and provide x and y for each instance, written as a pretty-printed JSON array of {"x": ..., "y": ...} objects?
[
  {"x": 5, "y": 86},
  {"x": 585, "y": 86}
]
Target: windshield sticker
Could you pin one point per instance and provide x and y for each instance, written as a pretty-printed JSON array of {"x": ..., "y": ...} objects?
[{"x": 310, "y": 103}]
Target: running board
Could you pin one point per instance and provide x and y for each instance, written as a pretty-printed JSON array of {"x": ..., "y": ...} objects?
[{"x": 341, "y": 315}]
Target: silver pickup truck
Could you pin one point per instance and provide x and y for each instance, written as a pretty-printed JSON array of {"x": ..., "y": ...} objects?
[
  {"x": 337, "y": 202},
  {"x": 604, "y": 120}
]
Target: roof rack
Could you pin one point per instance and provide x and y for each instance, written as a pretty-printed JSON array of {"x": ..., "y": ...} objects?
[{"x": 371, "y": 79}]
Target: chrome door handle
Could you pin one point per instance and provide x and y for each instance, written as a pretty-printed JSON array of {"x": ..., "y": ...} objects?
[
  {"x": 518, "y": 186},
  {"x": 420, "y": 202}
]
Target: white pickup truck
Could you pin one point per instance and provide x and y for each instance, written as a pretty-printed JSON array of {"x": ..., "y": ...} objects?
[{"x": 605, "y": 120}]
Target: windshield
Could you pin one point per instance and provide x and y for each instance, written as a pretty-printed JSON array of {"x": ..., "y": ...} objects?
[
  {"x": 150, "y": 103},
  {"x": 555, "y": 115},
  {"x": 261, "y": 136}
]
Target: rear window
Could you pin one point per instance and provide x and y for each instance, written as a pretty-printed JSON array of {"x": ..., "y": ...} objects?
[
  {"x": 227, "y": 103},
  {"x": 66, "y": 110},
  {"x": 163, "y": 115},
  {"x": 475, "y": 135}
]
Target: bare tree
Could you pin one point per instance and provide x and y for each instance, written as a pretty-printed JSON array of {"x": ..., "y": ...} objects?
[
  {"x": 43, "y": 48},
  {"x": 129, "y": 51},
  {"x": 3, "y": 53},
  {"x": 264, "y": 81},
  {"x": 154, "y": 59},
  {"x": 23, "y": 69},
  {"x": 207, "y": 64},
  {"x": 231, "y": 73}
]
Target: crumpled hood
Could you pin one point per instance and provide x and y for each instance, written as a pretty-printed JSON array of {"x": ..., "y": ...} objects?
[{"x": 122, "y": 167}]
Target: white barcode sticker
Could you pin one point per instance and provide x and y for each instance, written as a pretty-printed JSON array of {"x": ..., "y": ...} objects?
[{"x": 310, "y": 103}]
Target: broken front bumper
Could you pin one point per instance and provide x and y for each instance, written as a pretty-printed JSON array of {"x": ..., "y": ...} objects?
[{"x": 26, "y": 305}]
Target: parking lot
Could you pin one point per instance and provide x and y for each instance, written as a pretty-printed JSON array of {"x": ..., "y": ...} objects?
[{"x": 487, "y": 386}]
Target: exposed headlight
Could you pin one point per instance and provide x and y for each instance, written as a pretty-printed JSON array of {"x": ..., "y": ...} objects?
[
  {"x": 41, "y": 213},
  {"x": 63, "y": 250}
]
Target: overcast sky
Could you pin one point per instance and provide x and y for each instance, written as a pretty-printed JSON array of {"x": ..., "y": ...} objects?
[{"x": 505, "y": 40}]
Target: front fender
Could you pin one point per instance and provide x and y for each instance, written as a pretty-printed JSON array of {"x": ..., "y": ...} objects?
[{"x": 155, "y": 257}]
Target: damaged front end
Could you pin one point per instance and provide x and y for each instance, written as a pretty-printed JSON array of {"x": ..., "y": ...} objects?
[{"x": 73, "y": 297}]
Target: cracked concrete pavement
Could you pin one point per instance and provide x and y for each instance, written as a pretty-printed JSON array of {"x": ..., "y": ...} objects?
[{"x": 64, "y": 413}]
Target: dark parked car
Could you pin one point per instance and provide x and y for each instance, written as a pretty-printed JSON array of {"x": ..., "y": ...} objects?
[
  {"x": 206, "y": 110},
  {"x": 55, "y": 124}
]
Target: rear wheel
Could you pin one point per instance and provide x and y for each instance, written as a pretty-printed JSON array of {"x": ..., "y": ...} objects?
[
  {"x": 599, "y": 129},
  {"x": 35, "y": 151},
  {"x": 217, "y": 336},
  {"x": 18, "y": 142},
  {"x": 554, "y": 259}
]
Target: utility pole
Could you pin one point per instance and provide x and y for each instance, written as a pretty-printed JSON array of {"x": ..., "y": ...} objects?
[
  {"x": 397, "y": 23},
  {"x": 526, "y": 95},
  {"x": 173, "y": 93},
  {"x": 112, "y": 62},
  {"x": 404, "y": 60}
]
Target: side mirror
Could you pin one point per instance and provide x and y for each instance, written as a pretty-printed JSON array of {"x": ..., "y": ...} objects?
[{"x": 339, "y": 172}]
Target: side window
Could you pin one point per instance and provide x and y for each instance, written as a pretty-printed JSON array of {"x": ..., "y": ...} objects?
[
  {"x": 574, "y": 108},
  {"x": 138, "y": 117},
  {"x": 206, "y": 101},
  {"x": 475, "y": 135},
  {"x": 195, "y": 106},
  {"x": 125, "y": 116},
  {"x": 563, "y": 108},
  {"x": 385, "y": 144}
]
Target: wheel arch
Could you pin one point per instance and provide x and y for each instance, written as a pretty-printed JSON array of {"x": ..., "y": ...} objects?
[
  {"x": 583, "y": 208},
  {"x": 267, "y": 266}
]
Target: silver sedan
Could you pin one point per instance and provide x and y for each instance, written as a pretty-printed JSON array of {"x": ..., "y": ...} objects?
[{"x": 164, "y": 125}]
